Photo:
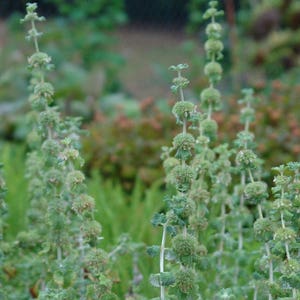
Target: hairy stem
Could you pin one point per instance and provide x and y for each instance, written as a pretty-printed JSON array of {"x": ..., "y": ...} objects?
[{"x": 162, "y": 259}]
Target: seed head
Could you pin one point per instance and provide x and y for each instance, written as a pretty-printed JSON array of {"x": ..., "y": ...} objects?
[{"x": 256, "y": 192}]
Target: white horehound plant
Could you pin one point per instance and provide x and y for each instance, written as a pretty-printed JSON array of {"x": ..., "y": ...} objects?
[
  {"x": 212, "y": 164},
  {"x": 179, "y": 281},
  {"x": 251, "y": 191},
  {"x": 72, "y": 264},
  {"x": 230, "y": 213},
  {"x": 284, "y": 213},
  {"x": 218, "y": 204}
]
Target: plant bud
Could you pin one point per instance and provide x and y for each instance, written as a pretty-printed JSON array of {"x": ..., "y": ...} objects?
[
  {"x": 51, "y": 147},
  {"x": 184, "y": 246},
  {"x": 83, "y": 203},
  {"x": 92, "y": 229},
  {"x": 263, "y": 229},
  {"x": 213, "y": 47},
  {"x": 184, "y": 141},
  {"x": 213, "y": 70},
  {"x": 75, "y": 178},
  {"x": 275, "y": 289},
  {"x": 213, "y": 30},
  {"x": 202, "y": 140},
  {"x": 210, "y": 97},
  {"x": 96, "y": 261},
  {"x": 54, "y": 177},
  {"x": 291, "y": 266},
  {"x": 198, "y": 223},
  {"x": 282, "y": 204},
  {"x": 44, "y": 89},
  {"x": 181, "y": 177},
  {"x": 181, "y": 82},
  {"x": 183, "y": 109},
  {"x": 281, "y": 180},
  {"x": 49, "y": 118},
  {"x": 256, "y": 192},
  {"x": 209, "y": 128},
  {"x": 188, "y": 209},
  {"x": 170, "y": 163},
  {"x": 246, "y": 159},
  {"x": 39, "y": 60},
  {"x": 185, "y": 281},
  {"x": 285, "y": 235},
  {"x": 37, "y": 102}
]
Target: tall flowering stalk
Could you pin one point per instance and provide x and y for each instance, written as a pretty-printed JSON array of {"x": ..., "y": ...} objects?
[
  {"x": 211, "y": 97},
  {"x": 286, "y": 232},
  {"x": 212, "y": 162},
  {"x": 73, "y": 267},
  {"x": 291, "y": 266},
  {"x": 251, "y": 190},
  {"x": 176, "y": 222}
]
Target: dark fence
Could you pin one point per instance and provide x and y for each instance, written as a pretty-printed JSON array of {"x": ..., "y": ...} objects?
[
  {"x": 162, "y": 12},
  {"x": 157, "y": 11}
]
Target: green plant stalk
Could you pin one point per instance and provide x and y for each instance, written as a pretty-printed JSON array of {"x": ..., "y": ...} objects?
[
  {"x": 183, "y": 162},
  {"x": 240, "y": 229},
  {"x": 182, "y": 99},
  {"x": 72, "y": 233},
  {"x": 241, "y": 204},
  {"x": 179, "y": 206},
  {"x": 296, "y": 181},
  {"x": 287, "y": 251},
  {"x": 223, "y": 205},
  {"x": 255, "y": 191},
  {"x": 268, "y": 252},
  {"x": 221, "y": 242},
  {"x": 162, "y": 259}
]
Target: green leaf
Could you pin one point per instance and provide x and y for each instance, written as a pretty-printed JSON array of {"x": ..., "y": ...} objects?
[
  {"x": 158, "y": 219},
  {"x": 170, "y": 255},
  {"x": 171, "y": 230},
  {"x": 167, "y": 278},
  {"x": 155, "y": 280},
  {"x": 153, "y": 250}
]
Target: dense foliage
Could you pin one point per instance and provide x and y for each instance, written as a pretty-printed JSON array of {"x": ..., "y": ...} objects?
[
  {"x": 223, "y": 230},
  {"x": 216, "y": 194},
  {"x": 59, "y": 249}
]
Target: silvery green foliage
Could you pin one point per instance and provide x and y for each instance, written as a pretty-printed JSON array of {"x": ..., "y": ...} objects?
[
  {"x": 227, "y": 203},
  {"x": 277, "y": 266},
  {"x": 212, "y": 163},
  {"x": 179, "y": 279},
  {"x": 284, "y": 213},
  {"x": 70, "y": 264},
  {"x": 251, "y": 191}
]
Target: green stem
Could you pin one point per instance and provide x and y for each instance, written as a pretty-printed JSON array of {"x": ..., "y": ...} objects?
[
  {"x": 35, "y": 39},
  {"x": 240, "y": 227},
  {"x": 162, "y": 259},
  {"x": 250, "y": 175},
  {"x": 271, "y": 271},
  {"x": 82, "y": 255},
  {"x": 255, "y": 293},
  {"x": 267, "y": 247},
  {"x": 184, "y": 129}
]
